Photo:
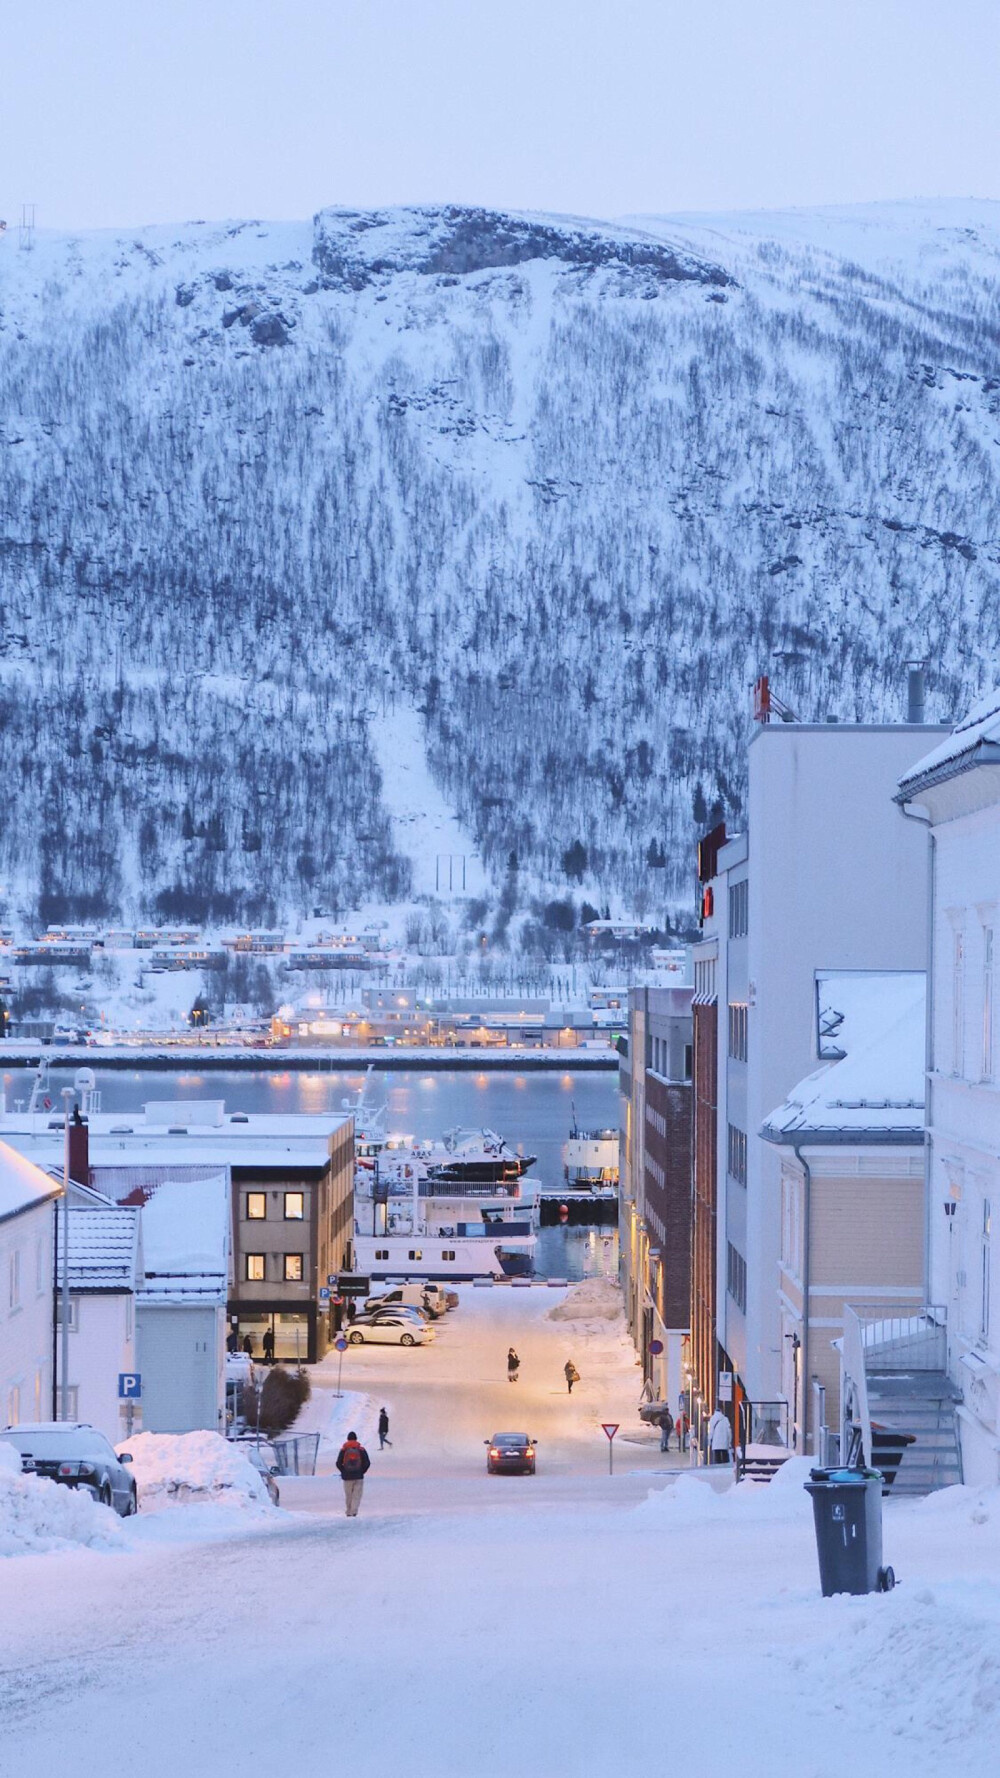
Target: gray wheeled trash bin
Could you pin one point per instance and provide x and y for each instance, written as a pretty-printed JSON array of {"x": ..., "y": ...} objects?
[{"x": 847, "y": 1511}]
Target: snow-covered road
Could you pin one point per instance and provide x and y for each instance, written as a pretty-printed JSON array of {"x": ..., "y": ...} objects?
[{"x": 565, "y": 1624}]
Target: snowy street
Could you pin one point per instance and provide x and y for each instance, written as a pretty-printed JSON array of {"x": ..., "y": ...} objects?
[{"x": 565, "y": 1623}]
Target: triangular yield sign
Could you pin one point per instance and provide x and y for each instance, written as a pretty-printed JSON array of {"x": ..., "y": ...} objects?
[{"x": 610, "y": 1427}]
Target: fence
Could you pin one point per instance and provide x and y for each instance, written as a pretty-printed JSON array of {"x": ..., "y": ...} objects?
[
  {"x": 297, "y": 1456},
  {"x": 916, "y": 1340}
]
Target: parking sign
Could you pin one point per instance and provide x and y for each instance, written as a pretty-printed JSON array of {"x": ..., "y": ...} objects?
[{"x": 129, "y": 1386}]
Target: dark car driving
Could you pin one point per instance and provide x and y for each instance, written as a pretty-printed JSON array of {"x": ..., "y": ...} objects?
[
  {"x": 71, "y": 1452},
  {"x": 510, "y": 1453}
]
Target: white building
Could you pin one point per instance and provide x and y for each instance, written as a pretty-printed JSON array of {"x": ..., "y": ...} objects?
[
  {"x": 956, "y": 788},
  {"x": 826, "y": 878},
  {"x": 26, "y": 1309},
  {"x": 104, "y": 1260},
  {"x": 181, "y": 1304}
]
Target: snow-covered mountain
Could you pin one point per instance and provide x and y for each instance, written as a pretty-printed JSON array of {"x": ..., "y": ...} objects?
[{"x": 510, "y": 507}]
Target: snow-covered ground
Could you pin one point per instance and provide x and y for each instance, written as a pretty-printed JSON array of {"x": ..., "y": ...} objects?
[{"x": 569, "y": 1623}]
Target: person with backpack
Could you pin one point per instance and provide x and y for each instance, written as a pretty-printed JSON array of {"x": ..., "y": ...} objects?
[
  {"x": 666, "y": 1428},
  {"x": 571, "y": 1374},
  {"x": 353, "y": 1463},
  {"x": 513, "y": 1365},
  {"x": 383, "y": 1430}
]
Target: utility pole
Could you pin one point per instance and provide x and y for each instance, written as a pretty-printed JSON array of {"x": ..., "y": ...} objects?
[{"x": 67, "y": 1098}]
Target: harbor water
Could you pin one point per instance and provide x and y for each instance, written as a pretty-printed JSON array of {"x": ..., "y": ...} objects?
[{"x": 534, "y": 1111}]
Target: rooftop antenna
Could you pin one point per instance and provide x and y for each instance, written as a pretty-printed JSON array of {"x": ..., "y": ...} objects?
[{"x": 26, "y": 228}]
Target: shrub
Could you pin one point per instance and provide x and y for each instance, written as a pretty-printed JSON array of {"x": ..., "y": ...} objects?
[{"x": 283, "y": 1394}]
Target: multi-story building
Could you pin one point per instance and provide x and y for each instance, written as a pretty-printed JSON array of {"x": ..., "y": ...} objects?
[
  {"x": 290, "y": 1182},
  {"x": 655, "y": 1182},
  {"x": 955, "y": 789},
  {"x": 825, "y": 878}
]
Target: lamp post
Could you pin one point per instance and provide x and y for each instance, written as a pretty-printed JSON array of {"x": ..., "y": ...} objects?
[{"x": 67, "y": 1099}]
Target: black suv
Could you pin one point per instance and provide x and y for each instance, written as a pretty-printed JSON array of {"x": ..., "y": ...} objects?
[{"x": 72, "y": 1452}]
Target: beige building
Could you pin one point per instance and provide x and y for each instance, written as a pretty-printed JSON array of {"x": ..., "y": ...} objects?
[{"x": 852, "y": 1201}]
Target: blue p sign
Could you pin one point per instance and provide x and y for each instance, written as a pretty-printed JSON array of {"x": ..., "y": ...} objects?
[{"x": 129, "y": 1386}]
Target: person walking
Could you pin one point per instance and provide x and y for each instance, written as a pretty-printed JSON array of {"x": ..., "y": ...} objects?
[
  {"x": 232, "y": 1340},
  {"x": 383, "y": 1430},
  {"x": 720, "y": 1438},
  {"x": 248, "y": 1345},
  {"x": 682, "y": 1426},
  {"x": 571, "y": 1374},
  {"x": 666, "y": 1428},
  {"x": 353, "y": 1463},
  {"x": 268, "y": 1344},
  {"x": 513, "y": 1365}
]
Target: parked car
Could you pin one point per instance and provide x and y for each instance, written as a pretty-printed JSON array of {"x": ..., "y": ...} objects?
[
  {"x": 267, "y": 1470},
  {"x": 510, "y": 1453},
  {"x": 403, "y": 1309},
  {"x": 75, "y": 1454},
  {"x": 388, "y": 1330},
  {"x": 425, "y": 1297}
]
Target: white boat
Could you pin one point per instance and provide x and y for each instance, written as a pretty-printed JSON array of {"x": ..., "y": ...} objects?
[{"x": 590, "y": 1159}]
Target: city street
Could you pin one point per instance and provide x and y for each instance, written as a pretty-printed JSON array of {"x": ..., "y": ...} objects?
[{"x": 563, "y": 1624}]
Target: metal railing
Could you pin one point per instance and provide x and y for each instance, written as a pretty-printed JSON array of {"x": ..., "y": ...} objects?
[
  {"x": 297, "y": 1455},
  {"x": 915, "y": 1339}
]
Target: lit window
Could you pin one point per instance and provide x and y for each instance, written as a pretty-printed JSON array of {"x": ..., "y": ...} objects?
[
  {"x": 381, "y": 1253},
  {"x": 256, "y": 1206},
  {"x": 293, "y": 1268},
  {"x": 416, "y": 1253},
  {"x": 294, "y": 1206},
  {"x": 255, "y": 1268},
  {"x": 447, "y": 1253}
]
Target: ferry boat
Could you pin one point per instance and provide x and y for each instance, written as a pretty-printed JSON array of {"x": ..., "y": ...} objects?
[
  {"x": 590, "y": 1160},
  {"x": 410, "y": 1225}
]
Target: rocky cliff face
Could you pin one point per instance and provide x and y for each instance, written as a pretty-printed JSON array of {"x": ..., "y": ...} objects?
[{"x": 562, "y": 488}]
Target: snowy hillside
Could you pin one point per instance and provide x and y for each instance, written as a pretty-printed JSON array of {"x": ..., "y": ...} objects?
[{"x": 543, "y": 495}]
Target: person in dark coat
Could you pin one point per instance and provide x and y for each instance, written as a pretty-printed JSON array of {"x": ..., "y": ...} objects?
[
  {"x": 513, "y": 1365},
  {"x": 383, "y": 1430},
  {"x": 353, "y": 1462},
  {"x": 248, "y": 1345},
  {"x": 571, "y": 1374},
  {"x": 268, "y": 1344},
  {"x": 666, "y": 1428},
  {"x": 232, "y": 1340}
]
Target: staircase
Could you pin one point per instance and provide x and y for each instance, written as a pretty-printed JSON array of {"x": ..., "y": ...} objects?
[{"x": 921, "y": 1407}]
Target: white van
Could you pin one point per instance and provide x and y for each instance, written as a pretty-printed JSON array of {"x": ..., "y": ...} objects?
[{"x": 428, "y": 1298}]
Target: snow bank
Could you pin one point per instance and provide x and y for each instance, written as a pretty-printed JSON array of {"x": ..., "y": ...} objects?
[
  {"x": 710, "y": 1496},
  {"x": 38, "y": 1515},
  {"x": 173, "y": 1468},
  {"x": 595, "y": 1299}
]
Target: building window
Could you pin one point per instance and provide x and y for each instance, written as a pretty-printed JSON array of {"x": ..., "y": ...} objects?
[
  {"x": 736, "y": 1158},
  {"x": 14, "y": 1280},
  {"x": 293, "y": 1268},
  {"x": 416, "y": 1253},
  {"x": 40, "y": 1267},
  {"x": 738, "y": 1031},
  {"x": 74, "y": 1311},
  {"x": 294, "y": 1206},
  {"x": 381, "y": 1253},
  {"x": 987, "y": 1003},
  {"x": 256, "y": 1206},
  {"x": 704, "y": 979},
  {"x": 958, "y": 1004},
  {"x": 255, "y": 1268},
  {"x": 984, "y": 1301},
  {"x": 13, "y": 1404},
  {"x": 739, "y": 909},
  {"x": 72, "y": 1402},
  {"x": 736, "y": 1276},
  {"x": 447, "y": 1253}
]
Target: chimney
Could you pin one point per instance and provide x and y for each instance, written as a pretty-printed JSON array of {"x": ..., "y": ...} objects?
[
  {"x": 915, "y": 692},
  {"x": 79, "y": 1149}
]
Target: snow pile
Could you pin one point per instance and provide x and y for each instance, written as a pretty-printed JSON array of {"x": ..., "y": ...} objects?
[
  {"x": 37, "y": 1515},
  {"x": 711, "y": 1497},
  {"x": 596, "y": 1299},
  {"x": 173, "y": 1468}
]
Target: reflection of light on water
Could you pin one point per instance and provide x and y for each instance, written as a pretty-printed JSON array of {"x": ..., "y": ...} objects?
[
  {"x": 482, "y": 1080},
  {"x": 190, "y": 1080},
  {"x": 519, "y": 1080},
  {"x": 566, "y": 1082},
  {"x": 312, "y": 1092},
  {"x": 428, "y": 1081}
]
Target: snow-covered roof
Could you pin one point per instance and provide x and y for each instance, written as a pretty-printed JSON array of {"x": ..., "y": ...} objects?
[
  {"x": 853, "y": 1004},
  {"x": 185, "y": 1232},
  {"x": 22, "y": 1184},
  {"x": 976, "y": 741},
  {"x": 876, "y": 1092},
  {"x": 102, "y": 1248},
  {"x": 170, "y": 1137}
]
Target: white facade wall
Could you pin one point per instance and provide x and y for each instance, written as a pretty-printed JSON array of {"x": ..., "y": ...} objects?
[
  {"x": 181, "y": 1357},
  {"x": 964, "y": 1121},
  {"x": 838, "y": 879},
  {"x": 26, "y": 1315},
  {"x": 101, "y": 1344}
]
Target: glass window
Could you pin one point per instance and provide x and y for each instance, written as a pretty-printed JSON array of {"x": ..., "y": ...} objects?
[
  {"x": 416, "y": 1253},
  {"x": 255, "y": 1268},
  {"x": 987, "y": 1003},
  {"x": 984, "y": 1312},
  {"x": 294, "y": 1206},
  {"x": 447, "y": 1253},
  {"x": 74, "y": 1311},
  {"x": 14, "y": 1299},
  {"x": 381, "y": 1253},
  {"x": 256, "y": 1206},
  {"x": 958, "y": 1005},
  {"x": 293, "y": 1268}
]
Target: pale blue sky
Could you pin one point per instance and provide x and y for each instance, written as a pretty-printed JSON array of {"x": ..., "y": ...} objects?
[{"x": 127, "y": 111}]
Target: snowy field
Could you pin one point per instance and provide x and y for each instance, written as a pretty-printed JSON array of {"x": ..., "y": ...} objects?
[{"x": 568, "y": 1623}]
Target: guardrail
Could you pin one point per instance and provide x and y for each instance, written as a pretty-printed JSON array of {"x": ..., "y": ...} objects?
[{"x": 914, "y": 1340}]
